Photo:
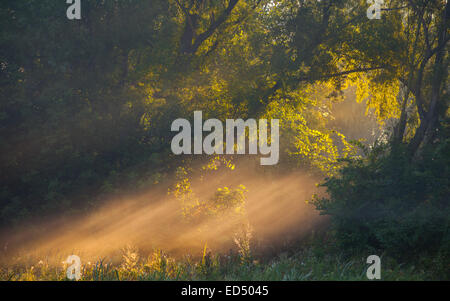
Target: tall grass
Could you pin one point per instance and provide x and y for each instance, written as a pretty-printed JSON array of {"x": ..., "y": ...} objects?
[{"x": 311, "y": 262}]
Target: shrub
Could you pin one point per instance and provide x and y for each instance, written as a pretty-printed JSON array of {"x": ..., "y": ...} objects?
[{"x": 391, "y": 203}]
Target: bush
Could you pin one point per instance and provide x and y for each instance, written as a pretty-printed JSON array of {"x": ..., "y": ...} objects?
[{"x": 388, "y": 202}]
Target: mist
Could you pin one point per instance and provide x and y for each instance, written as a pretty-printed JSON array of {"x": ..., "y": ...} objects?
[{"x": 276, "y": 209}]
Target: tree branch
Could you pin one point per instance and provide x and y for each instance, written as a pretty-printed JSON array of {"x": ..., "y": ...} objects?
[
  {"x": 214, "y": 25},
  {"x": 358, "y": 70}
]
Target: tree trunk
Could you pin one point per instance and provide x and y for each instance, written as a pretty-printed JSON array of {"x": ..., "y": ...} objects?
[
  {"x": 429, "y": 122},
  {"x": 401, "y": 126}
]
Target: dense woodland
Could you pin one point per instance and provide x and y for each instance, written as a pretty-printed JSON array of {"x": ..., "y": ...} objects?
[{"x": 86, "y": 107}]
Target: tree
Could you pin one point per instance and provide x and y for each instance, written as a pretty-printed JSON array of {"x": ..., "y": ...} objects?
[{"x": 407, "y": 48}]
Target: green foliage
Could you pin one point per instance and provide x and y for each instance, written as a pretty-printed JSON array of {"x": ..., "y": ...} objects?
[
  {"x": 391, "y": 203},
  {"x": 70, "y": 101},
  {"x": 224, "y": 201},
  {"x": 86, "y": 108},
  {"x": 226, "y": 205}
]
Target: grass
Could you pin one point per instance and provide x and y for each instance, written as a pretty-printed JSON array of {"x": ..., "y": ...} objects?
[{"x": 311, "y": 262}]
